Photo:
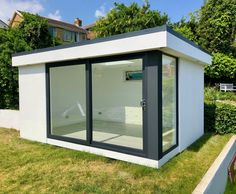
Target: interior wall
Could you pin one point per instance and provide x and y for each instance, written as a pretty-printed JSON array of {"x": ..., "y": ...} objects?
[
  {"x": 191, "y": 102},
  {"x": 114, "y": 98}
]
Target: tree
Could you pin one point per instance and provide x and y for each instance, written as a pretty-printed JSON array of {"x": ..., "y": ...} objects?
[
  {"x": 188, "y": 27},
  {"x": 9, "y": 44},
  {"x": 213, "y": 27},
  {"x": 34, "y": 30},
  {"x": 217, "y": 25},
  {"x": 122, "y": 19},
  {"x": 32, "y": 33}
]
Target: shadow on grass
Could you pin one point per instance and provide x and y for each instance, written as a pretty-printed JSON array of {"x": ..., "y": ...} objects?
[{"x": 196, "y": 146}]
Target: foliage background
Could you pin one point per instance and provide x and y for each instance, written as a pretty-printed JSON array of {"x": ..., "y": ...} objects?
[
  {"x": 122, "y": 19},
  {"x": 32, "y": 33}
]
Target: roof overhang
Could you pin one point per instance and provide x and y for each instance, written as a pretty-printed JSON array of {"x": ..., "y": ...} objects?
[{"x": 159, "y": 38}]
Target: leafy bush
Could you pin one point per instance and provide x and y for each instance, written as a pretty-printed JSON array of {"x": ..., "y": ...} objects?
[
  {"x": 34, "y": 30},
  {"x": 9, "y": 44},
  {"x": 220, "y": 118},
  {"x": 187, "y": 26},
  {"x": 214, "y": 94},
  {"x": 222, "y": 69},
  {"x": 127, "y": 18},
  {"x": 32, "y": 33},
  {"x": 209, "y": 117}
]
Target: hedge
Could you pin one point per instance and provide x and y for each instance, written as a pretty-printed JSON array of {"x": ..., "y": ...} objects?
[{"x": 220, "y": 117}]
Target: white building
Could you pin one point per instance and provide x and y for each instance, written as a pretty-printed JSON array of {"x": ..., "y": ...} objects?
[
  {"x": 136, "y": 97},
  {"x": 3, "y": 24}
]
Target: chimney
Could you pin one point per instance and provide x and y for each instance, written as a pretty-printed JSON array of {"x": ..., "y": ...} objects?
[{"x": 78, "y": 22}]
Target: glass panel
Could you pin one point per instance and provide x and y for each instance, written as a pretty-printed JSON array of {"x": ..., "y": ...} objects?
[
  {"x": 169, "y": 102},
  {"x": 117, "y": 114},
  {"x": 52, "y": 31},
  {"x": 69, "y": 36},
  {"x": 68, "y": 101}
]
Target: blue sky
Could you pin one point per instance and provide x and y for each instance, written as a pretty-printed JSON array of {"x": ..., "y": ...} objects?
[{"x": 90, "y": 10}]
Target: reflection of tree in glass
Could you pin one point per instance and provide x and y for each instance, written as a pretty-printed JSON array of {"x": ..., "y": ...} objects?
[{"x": 169, "y": 113}]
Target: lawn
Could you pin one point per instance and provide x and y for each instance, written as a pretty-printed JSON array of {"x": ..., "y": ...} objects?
[
  {"x": 30, "y": 167},
  {"x": 230, "y": 188}
]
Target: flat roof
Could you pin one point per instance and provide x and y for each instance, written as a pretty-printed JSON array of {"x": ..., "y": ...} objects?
[
  {"x": 115, "y": 37},
  {"x": 152, "y": 35}
]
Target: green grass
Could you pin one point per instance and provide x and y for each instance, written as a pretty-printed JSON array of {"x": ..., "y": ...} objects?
[
  {"x": 30, "y": 167},
  {"x": 230, "y": 188}
]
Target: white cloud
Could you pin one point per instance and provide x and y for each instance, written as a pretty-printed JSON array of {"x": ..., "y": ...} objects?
[
  {"x": 100, "y": 12},
  {"x": 8, "y": 7},
  {"x": 145, "y": 2},
  {"x": 56, "y": 15}
]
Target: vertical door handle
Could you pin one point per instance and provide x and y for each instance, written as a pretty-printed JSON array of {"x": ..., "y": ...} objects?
[{"x": 143, "y": 104}]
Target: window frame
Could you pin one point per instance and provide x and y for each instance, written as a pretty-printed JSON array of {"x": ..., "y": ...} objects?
[
  {"x": 160, "y": 150},
  {"x": 72, "y": 36}
]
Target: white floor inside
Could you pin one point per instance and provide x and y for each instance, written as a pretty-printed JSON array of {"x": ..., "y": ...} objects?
[{"x": 115, "y": 133}]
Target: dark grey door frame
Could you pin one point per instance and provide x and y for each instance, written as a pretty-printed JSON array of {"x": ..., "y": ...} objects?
[{"x": 142, "y": 153}]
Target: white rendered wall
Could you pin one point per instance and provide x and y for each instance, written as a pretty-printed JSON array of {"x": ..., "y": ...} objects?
[
  {"x": 191, "y": 102},
  {"x": 10, "y": 119},
  {"x": 32, "y": 102}
]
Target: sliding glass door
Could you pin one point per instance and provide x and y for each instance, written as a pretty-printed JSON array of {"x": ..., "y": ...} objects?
[
  {"x": 123, "y": 103},
  {"x": 117, "y": 104},
  {"x": 117, "y": 93}
]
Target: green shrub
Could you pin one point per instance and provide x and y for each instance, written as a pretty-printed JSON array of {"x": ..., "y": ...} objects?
[
  {"x": 220, "y": 117},
  {"x": 213, "y": 94},
  {"x": 209, "y": 117},
  {"x": 222, "y": 69},
  {"x": 32, "y": 33}
]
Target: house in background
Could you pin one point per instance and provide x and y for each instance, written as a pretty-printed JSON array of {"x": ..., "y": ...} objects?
[
  {"x": 90, "y": 33},
  {"x": 65, "y": 32},
  {"x": 3, "y": 24}
]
